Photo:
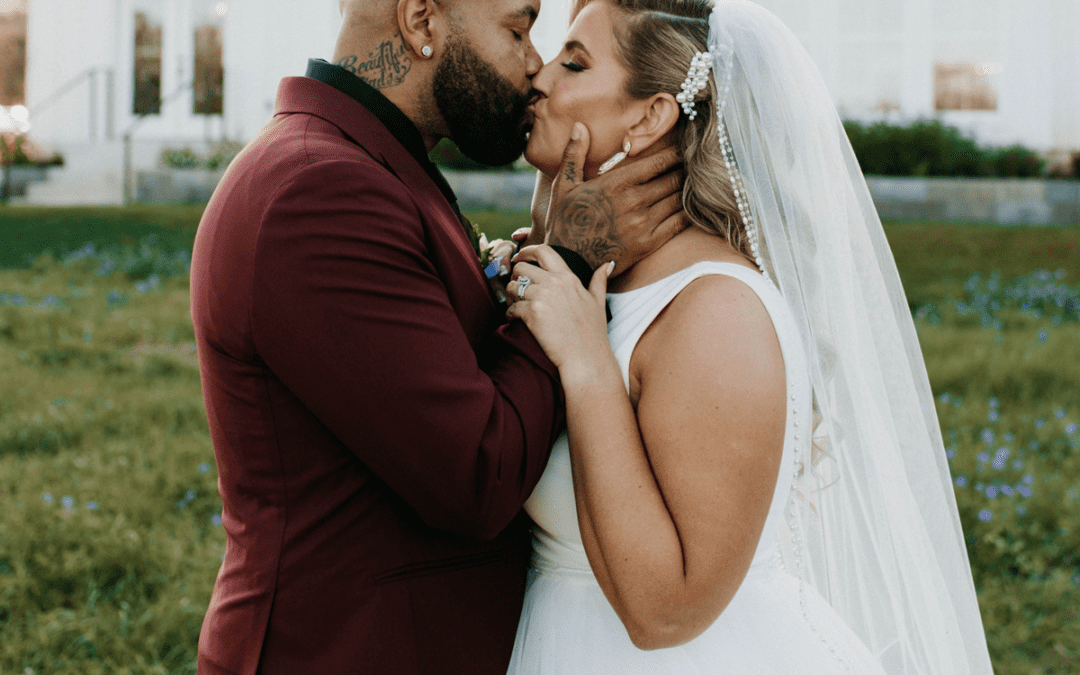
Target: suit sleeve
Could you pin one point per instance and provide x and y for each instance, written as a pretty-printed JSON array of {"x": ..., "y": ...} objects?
[{"x": 351, "y": 315}]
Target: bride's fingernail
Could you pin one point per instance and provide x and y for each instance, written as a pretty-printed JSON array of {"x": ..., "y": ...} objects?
[{"x": 611, "y": 267}]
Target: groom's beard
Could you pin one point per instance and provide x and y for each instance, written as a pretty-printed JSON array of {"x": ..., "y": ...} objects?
[{"x": 484, "y": 111}]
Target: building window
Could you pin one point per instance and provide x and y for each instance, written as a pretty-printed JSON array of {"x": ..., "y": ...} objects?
[
  {"x": 967, "y": 53},
  {"x": 147, "y": 96},
  {"x": 964, "y": 86},
  {"x": 13, "y": 53},
  {"x": 208, "y": 83}
]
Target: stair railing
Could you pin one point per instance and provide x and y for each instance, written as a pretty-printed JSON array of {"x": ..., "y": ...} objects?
[
  {"x": 129, "y": 173},
  {"x": 91, "y": 75}
]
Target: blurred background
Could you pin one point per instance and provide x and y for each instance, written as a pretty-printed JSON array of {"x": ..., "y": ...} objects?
[
  {"x": 109, "y": 85},
  {"x": 118, "y": 117}
]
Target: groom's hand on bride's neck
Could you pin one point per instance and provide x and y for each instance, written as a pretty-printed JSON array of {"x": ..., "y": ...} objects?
[{"x": 622, "y": 215}]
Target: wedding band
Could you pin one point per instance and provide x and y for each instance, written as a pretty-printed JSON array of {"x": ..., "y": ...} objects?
[{"x": 523, "y": 283}]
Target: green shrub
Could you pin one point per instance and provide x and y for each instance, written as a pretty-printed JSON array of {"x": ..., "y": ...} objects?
[
  {"x": 218, "y": 157},
  {"x": 1015, "y": 162},
  {"x": 180, "y": 158},
  {"x": 18, "y": 150},
  {"x": 930, "y": 148},
  {"x": 222, "y": 154}
]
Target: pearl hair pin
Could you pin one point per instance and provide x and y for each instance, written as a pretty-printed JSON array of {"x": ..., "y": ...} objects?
[{"x": 696, "y": 78}]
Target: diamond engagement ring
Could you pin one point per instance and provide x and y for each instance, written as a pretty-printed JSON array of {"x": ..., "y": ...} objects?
[{"x": 523, "y": 283}]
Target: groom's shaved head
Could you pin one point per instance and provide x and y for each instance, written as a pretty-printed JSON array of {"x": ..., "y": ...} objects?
[
  {"x": 456, "y": 69},
  {"x": 354, "y": 5},
  {"x": 367, "y": 15},
  {"x": 375, "y": 8}
]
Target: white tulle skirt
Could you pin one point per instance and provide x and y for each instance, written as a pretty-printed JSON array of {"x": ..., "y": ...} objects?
[{"x": 567, "y": 626}]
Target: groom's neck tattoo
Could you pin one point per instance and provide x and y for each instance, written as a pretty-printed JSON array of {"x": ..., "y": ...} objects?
[
  {"x": 589, "y": 227},
  {"x": 383, "y": 67}
]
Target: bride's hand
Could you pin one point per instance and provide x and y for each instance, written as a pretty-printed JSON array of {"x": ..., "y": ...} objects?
[
  {"x": 538, "y": 211},
  {"x": 568, "y": 320}
]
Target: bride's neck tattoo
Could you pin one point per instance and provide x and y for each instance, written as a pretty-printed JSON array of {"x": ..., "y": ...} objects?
[{"x": 383, "y": 67}]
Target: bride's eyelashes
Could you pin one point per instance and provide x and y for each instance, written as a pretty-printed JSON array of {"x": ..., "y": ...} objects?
[{"x": 573, "y": 67}]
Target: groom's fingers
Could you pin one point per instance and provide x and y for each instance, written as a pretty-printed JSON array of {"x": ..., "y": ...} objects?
[
  {"x": 671, "y": 226},
  {"x": 664, "y": 209},
  {"x": 572, "y": 170},
  {"x": 544, "y": 256},
  {"x": 662, "y": 187},
  {"x": 648, "y": 167}
]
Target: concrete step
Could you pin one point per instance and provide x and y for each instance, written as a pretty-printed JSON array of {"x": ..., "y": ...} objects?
[
  {"x": 93, "y": 155},
  {"x": 92, "y": 175},
  {"x": 78, "y": 190}
]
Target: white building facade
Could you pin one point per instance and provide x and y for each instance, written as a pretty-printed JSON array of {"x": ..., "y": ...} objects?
[
  {"x": 1016, "y": 62},
  {"x": 1004, "y": 71}
]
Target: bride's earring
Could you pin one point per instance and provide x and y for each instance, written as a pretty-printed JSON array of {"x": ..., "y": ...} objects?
[{"x": 615, "y": 159}]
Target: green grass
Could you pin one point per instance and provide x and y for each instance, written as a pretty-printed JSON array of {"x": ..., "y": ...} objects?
[
  {"x": 109, "y": 541},
  {"x": 29, "y": 231}
]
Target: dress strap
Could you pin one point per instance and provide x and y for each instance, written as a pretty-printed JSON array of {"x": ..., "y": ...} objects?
[{"x": 634, "y": 311}]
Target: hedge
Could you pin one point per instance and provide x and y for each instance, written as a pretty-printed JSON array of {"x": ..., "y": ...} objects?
[{"x": 930, "y": 148}]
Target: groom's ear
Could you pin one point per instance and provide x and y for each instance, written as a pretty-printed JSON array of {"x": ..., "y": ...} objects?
[
  {"x": 660, "y": 112},
  {"x": 423, "y": 23}
]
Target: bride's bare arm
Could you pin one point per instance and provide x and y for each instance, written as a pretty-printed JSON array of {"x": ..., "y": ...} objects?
[{"x": 671, "y": 502}]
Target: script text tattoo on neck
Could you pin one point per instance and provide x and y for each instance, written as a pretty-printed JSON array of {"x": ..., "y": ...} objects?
[{"x": 384, "y": 67}]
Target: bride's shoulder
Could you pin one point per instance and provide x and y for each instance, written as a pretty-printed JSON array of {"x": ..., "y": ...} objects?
[{"x": 715, "y": 318}]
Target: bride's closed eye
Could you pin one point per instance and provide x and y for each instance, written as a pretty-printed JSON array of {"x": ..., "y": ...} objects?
[{"x": 573, "y": 67}]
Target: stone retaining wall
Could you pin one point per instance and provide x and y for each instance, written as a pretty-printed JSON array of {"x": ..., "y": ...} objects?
[
  {"x": 984, "y": 200},
  {"x": 186, "y": 186},
  {"x": 1014, "y": 201}
]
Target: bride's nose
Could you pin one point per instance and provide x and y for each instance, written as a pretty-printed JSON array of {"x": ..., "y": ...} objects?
[{"x": 542, "y": 81}]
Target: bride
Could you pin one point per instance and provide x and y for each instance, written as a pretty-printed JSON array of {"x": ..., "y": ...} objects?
[{"x": 752, "y": 478}]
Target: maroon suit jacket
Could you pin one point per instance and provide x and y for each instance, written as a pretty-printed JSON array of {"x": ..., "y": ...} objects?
[{"x": 376, "y": 428}]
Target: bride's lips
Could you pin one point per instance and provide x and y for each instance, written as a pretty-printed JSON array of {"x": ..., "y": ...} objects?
[{"x": 530, "y": 118}]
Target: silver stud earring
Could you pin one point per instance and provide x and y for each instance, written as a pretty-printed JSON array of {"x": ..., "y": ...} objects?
[
  {"x": 426, "y": 51},
  {"x": 615, "y": 159}
]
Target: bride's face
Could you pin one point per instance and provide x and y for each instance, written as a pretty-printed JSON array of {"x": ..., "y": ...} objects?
[{"x": 584, "y": 83}]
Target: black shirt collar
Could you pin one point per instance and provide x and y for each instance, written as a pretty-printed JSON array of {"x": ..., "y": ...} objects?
[
  {"x": 399, "y": 126},
  {"x": 402, "y": 128}
]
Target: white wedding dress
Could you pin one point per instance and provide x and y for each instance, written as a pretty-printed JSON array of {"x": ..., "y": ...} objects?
[{"x": 774, "y": 625}]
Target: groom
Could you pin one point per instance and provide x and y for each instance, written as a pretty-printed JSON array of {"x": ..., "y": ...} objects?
[{"x": 376, "y": 425}]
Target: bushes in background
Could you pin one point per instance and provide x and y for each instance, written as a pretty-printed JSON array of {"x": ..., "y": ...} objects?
[
  {"x": 18, "y": 150},
  {"x": 930, "y": 148},
  {"x": 923, "y": 148},
  {"x": 218, "y": 157}
]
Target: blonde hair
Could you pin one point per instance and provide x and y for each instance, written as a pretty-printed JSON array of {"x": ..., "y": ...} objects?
[{"x": 656, "y": 42}]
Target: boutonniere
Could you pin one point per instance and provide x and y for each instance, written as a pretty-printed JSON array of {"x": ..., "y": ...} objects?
[{"x": 480, "y": 245}]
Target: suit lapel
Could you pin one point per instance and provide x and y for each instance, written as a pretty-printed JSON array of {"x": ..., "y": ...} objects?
[{"x": 308, "y": 96}]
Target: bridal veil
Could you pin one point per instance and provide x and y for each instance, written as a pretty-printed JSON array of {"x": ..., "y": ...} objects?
[{"x": 872, "y": 520}]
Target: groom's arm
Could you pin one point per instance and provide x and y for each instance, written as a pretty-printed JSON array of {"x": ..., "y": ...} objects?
[{"x": 351, "y": 315}]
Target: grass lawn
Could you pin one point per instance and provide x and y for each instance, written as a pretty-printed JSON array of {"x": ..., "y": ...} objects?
[{"x": 110, "y": 536}]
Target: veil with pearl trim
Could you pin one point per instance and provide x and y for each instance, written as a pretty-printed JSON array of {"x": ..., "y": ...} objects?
[{"x": 873, "y": 523}]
